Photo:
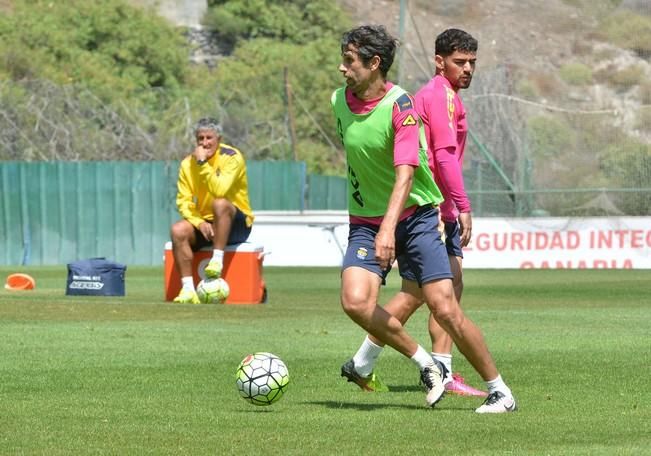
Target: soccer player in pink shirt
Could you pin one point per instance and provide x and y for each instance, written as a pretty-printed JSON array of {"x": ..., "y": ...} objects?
[{"x": 444, "y": 118}]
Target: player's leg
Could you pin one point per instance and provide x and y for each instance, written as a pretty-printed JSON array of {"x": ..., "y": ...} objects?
[
  {"x": 470, "y": 342},
  {"x": 427, "y": 257},
  {"x": 184, "y": 238},
  {"x": 223, "y": 214},
  {"x": 402, "y": 305},
  {"x": 360, "y": 289},
  {"x": 442, "y": 342},
  {"x": 359, "y": 295},
  {"x": 439, "y": 296},
  {"x": 361, "y": 282}
]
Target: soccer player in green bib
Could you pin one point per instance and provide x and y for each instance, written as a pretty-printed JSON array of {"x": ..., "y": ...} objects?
[{"x": 393, "y": 214}]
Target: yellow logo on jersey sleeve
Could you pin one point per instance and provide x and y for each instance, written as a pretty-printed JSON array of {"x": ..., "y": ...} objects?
[{"x": 409, "y": 120}]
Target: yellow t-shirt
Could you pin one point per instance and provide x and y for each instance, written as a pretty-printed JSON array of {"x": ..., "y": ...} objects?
[{"x": 222, "y": 176}]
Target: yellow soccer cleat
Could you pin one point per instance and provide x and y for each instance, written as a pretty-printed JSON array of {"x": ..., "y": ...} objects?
[
  {"x": 187, "y": 297},
  {"x": 213, "y": 269},
  {"x": 372, "y": 383}
]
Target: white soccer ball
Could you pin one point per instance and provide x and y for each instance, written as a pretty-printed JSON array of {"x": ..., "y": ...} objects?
[
  {"x": 213, "y": 291},
  {"x": 262, "y": 378}
]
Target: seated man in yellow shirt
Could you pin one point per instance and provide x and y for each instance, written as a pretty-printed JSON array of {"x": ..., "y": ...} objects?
[{"x": 213, "y": 199}]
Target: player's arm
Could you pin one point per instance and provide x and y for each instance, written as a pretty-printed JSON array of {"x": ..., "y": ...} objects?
[
  {"x": 465, "y": 227},
  {"x": 451, "y": 176},
  {"x": 385, "y": 240},
  {"x": 406, "y": 144},
  {"x": 405, "y": 158},
  {"x": 451, "y": 179},
  {"x": 185, "y": 197},
  {"x": 220, "y": 185},
  {"x": 442, "y": 139}
]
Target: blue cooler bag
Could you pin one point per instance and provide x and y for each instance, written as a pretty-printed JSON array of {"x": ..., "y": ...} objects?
[{"x": 95, "y": 277}]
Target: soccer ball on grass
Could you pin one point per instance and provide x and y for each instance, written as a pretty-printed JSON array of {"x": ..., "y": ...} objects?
[
  {"x": 213, "y": 291},
  {"x": 261, "y": 378}
]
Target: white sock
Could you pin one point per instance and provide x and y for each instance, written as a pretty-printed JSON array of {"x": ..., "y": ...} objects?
[
  {"x": 446, "y": 360},
  {"x": 498, "y": 385},
  {"x": 188, "y": 283},
  {"x": 217, "y": 255},
  {"x": 366, "y": 357},
  {"x": 422, "y": 358}
]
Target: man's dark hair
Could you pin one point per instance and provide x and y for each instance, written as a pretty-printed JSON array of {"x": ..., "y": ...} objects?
[
  {"x": 454, "y": 40},
  {"x": 372, "y": 40}
]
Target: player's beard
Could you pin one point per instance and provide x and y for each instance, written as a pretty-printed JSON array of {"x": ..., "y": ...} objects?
[{"x": 464, "y": 82}]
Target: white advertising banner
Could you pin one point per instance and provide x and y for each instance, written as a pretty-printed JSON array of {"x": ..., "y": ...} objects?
[
  {"x": 320, "y": 238},
  {"x": 556, "y": 243}
]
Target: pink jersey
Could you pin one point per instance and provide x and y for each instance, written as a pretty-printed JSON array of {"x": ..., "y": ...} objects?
[
  {"x": 405, "y": 140},
  {"x": 446, "y": 128}
]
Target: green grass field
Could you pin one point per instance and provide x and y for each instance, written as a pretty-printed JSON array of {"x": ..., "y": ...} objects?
[{"x": 137, "y": 375}]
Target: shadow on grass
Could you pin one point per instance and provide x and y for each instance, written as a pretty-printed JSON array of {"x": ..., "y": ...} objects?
[
  {"x": 256, "y": 409},
  {"x": 405, "y": 388},
  {"x": 362, "y": 407},
  {"x": 440, "y": 407}
]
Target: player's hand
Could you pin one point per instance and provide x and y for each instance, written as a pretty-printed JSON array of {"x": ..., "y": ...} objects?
[
  {"x": 385, "y": 248},
  {"x": 465, "y": 225},
  {"x": 200, "y": 153},
  {"x": 441, "y": 229},
  {"x": 206, "y": 230}
]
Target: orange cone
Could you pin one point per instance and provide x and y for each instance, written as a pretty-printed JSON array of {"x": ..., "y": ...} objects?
[{"x": 19, "y": 281}]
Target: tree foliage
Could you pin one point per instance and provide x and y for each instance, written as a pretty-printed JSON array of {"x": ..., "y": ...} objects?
[
  {"x": 109, "y": 47},
  {"x": 123, "y": 76},
  {"x": 293, "y": 21},
  {"x": 629, "y": 165},
  {"x": 630, "y": 31},
  {"x": 549, "y": 137},
  {"x": 252, "y": 86},
  {"x": 281, "y": 74}
]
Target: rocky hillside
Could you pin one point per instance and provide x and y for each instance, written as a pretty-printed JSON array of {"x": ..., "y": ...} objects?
[
  {"x": 540, "y": 45},
  {"x": 536, "y": 41}
]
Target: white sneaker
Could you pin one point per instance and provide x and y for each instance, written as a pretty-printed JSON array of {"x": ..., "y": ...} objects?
[
  {"x": 497, "y": 402},
  {"x": 432, "y": 378}
]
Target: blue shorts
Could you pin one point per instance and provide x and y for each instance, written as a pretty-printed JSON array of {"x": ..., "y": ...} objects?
[
  {"x": 452, "y": 247},
  {"x": 239, "y": 232},
  {"x": 453, "y": 239},
  {"x": 419, "y": 248}
]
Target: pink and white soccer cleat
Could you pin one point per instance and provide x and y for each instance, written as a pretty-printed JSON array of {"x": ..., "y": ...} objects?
[{"x": 458, "y": 386}]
